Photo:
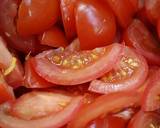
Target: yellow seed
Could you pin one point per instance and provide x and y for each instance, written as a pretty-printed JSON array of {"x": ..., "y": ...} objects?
[
  {"x": 79, "y": 61},
  {"x": 62, "y": 103},
  {"x": 94, "y": 56},
  {"x": 134, "y": 64},
  {"x": 123, "y": 73},
  {"x": 130, "y": 60},
  {"x": 65, "y": 62},
  {"x": 75, "y": 66},
  {"x": 57, "y": 59}
]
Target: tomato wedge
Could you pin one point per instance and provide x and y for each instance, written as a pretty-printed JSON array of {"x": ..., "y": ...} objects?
[
  {"x": 71, "y": 68},
  {"x": 129, "y": 73},
  {"x": 145, "y": 120},
  {"x": 103, "y": 105},
  {"x": 6, "y": 92},
  {"x": 36, "y": 16},
  {"x": 32, "y": 79},
  {"x": 151, "y": 93},
  {"x": 51, "y": 121},
  {"x": 54, "y": 37},
  {"x": 95, "y": 24},
  {"x": 123, "y": 10},
  {"x": 68, "y": 17},
  {"x": 138, "y": 36}
]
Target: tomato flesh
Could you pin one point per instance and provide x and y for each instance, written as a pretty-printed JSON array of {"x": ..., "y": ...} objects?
[
  {"x": 129, "y": 73},
  {"x": 95, "y": 24},
  {"x": 71, "y": 68}
]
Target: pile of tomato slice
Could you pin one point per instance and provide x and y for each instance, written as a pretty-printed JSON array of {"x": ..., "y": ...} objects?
[{"x": 79, "y": 63}]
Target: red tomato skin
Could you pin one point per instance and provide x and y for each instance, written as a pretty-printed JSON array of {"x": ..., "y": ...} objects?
[
  {"x": 36, "y": 16},
  {"x": 54, "y": 37},
  {"x": 95, "y": 24},
  {"x": 139, "y": 37},
  {"x": 152, "y": 8},
  {"x": 150, "y": 100},
  {"x": 32, "y": 79},
  {"x": 123, "y": 10},
  {"x": 67, "y": 10}
]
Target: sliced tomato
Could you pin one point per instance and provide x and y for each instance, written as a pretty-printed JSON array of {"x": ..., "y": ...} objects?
[
  {"x": 129, "y": 73},
  {"x": 151, "y": 93},
  {"x": 6, "y": 92},
  {"x": 54, "y": 37},
  {"x": 145, "y": 120},
  {"x": 8, "y": 12},
  {"x": 95, "y": 24},
  {"x": 68, "y": 17},
  {"x": 35, "y": 16},
  {"x": 32, "y": 79},
  {"x": 152, "y": 8},
  {"x": 103, "y": 105},
  {"x": 49, "y": 121},
  {"x": 123, "y": 10},
  {"x": 71, "y": 68},
  {"x": 38, "y": 104},
  {"x": 139, "y": 37}
]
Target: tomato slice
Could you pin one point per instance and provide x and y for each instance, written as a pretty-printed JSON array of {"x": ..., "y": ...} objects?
[
  {"x": 36, "y": 16},
  {"x": 123, "y": 10},
  {"x": 145, "y": 120},
  {"x": 97, "y": 21},
  {"x": 71, "y": 68},
  {"x": 151, "y": 93},
  {"x": 54, "y": 37},
  {"x": 152, "y": 10},
  {"x": 32, "y": 79},
  {"x": 129, "y": 73},
  {"x": 103, "y": 105},
  {"x": 50, "y": 121},
  {"x": 138, "y": 36},
  {"x": 68, "y": 17},
  {"x": 6, "y": 92}
]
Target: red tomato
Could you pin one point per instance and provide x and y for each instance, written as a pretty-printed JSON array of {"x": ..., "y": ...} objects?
[
  {"x": 123, "y": 10},
  {"x": 77, "y": 67},
  {"x": 54, "y": 37},
  {"x": 158, "y": 28},
  {"x": 129, "y": 73},
  {"x": 8, "y": 11},
  {"x": 152, "y": 8},
  {"x": 32, "y": 79},
  {"x": 38, "y": 104},
  {"x": 151, "y": 93},
  {"x": 145, "y": 120},
  {"x": 49, "y": 121},
  {"x": 6, "y": 92},
  {"x": 35, "y": 16},
  {"x": 138, "y": 36},
  {"x": 95, "y": 24},
  {"x": 68, "y": 17},
  {"x": 104, "y": 105}
]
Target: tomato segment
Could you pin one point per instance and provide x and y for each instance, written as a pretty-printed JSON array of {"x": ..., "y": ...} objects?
[
  {"x": 35, "y": 16},
  {"x": 138, "y": 36},
  {"x": 50, "y": 121},
  {"x": 54, "y": 37},
  {"x": 145, "y": 120},
  {"x": 71, "y": 68},
  {"x": 95, "y": 24},
  {"x": 99, "y": 107},
  {"x": 151, "y": 94},
  {"x": 129, "y": 73},
  {"x": 32, "y": 79}
]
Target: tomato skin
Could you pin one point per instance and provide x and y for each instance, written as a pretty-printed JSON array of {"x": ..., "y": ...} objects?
[
  {"x": 127, "y": 81},
  {"x": 123, "y": 11},
  {"x": 152, "y": 10},
  {"x": 150, "y": 100},
  {"x": 32, "y": 79},
  {"x": 138, "y": 36},
  {"x": 158, "y": 28},
  {"x": 54, "y": 37},
  {"x": 69, "y": 76},
  {"x": 95, "y": 24},
  {"x": 144, "y": 120},
  {"x": 99, "y": 107},
  {"x": 68, "y": 17},
  {"x": 36, "y": 16}
]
